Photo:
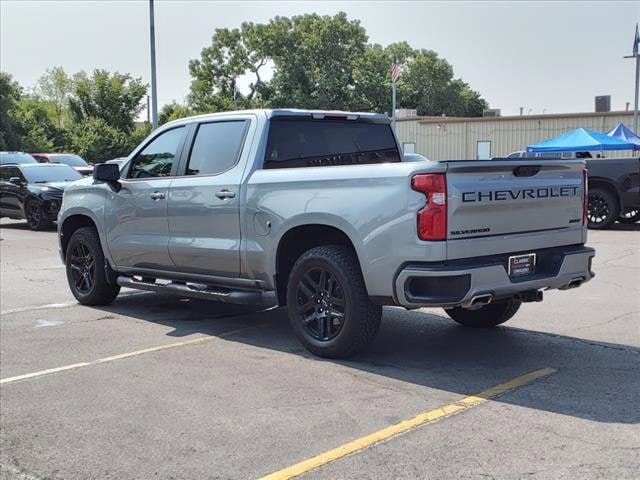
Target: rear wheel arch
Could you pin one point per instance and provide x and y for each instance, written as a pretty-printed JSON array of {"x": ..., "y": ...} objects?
[
  {"x": 598, "y": 182},
  {"x": 298, "y": 240}
]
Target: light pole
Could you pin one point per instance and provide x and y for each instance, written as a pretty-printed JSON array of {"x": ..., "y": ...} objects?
[
  {"x": 636, "y": 41},
  {"x": 154, "y": 91}
]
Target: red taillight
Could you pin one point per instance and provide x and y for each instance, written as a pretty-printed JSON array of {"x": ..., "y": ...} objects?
[
  {"x": 585, "y": 200},
  {"x": 432, "y": 218}
]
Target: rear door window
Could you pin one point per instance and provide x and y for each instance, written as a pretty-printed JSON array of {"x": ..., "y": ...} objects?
[
  {"x": 314, "y": 143},
  {"x": 216, "y": 147},
  {"x": 9, "y": 172}
]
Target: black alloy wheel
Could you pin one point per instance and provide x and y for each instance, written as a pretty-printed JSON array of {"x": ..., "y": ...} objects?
[
  {"x": 82, "y": 268},
  {"x": 329, "y": 309},
  {"x": 35, "y": 216},
  {"x": 87, "y": 269},
  {"x": 603, "y": 208},
  {"x": 320, "y": 304}
]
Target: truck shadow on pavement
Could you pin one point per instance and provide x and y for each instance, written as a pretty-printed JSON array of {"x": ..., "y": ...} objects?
[
  {"x": 626, "y": 227},
  {"x": 595, "y": 380},
  {"x": 23, "y": 225}
]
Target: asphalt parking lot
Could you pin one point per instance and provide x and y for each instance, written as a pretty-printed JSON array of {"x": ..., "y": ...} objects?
[{"x": 161, "y": 387}]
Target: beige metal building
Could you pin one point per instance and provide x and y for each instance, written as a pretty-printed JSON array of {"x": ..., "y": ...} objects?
[{"x": 444, "y": 138}]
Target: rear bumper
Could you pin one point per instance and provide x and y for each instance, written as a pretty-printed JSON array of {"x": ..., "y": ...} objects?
[{"x": 460, "y": 283}]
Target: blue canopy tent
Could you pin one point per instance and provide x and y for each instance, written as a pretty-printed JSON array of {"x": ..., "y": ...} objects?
[
  {"x": 622, "y": 132},
  {"x": 580, "y": 140}
]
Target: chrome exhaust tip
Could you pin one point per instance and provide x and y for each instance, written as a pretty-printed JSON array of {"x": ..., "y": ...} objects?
[{"x": 479, "y": 301}]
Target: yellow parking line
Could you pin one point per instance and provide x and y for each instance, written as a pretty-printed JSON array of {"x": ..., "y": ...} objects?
[
  {"x": 421, "y": 419},
  {"x": 75, "y": 366}
]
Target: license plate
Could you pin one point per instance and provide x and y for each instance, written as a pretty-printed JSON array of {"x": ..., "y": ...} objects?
[{"x": 522, "y": 265}]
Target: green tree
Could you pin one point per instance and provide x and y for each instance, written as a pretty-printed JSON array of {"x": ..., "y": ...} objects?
[
  {"x": 173, "y": 111},
  {"x": 96, "y": 141},
  {"x": 56, "y": 87},
  {"x": 232, "y": 53},
  {"x": 38, "y": 133},
  {"x": 10, "y": 93},
  {"x": 323, "y": 62},
  {"x": 113, "y": 98},
  {"x": 427, "y": 84},
  {"x": 314, "y": 60},
  {"x": 372, "y": 76}
]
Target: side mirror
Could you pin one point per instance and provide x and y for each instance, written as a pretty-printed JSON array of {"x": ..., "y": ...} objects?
[
  {"x": 16, "y": 181},
  {"x": 106, "y": 172}
]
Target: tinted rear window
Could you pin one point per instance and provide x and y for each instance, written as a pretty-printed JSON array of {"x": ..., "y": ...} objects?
[
  {"x": 71, "y": 160},
  {"x": 50, "y": 173},
  {"x": 6, "y": 158},
  {"x": 314, "y": 143},
  {"x": 216, "y": 147}
]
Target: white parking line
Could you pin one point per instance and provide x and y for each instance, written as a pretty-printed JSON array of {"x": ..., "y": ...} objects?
[
  {"x": 37, "y": 307},
  {"x": 50, "y": 306},
  {"x": 122, "y": 356}
]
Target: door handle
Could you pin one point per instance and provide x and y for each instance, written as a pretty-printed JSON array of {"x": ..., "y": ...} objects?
[
  {"x": 225, "y": 194},
  {"x": 157, "y": 196}
]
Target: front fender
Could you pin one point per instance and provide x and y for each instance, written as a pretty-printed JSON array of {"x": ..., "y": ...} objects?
[{"x": 87, "y": 202}]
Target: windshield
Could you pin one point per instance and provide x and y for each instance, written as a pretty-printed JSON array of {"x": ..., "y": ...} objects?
[
  {"x": 71, "y": 160},
  {"x": 50, "y": 173},
  {"x": 6, "y": 158}
]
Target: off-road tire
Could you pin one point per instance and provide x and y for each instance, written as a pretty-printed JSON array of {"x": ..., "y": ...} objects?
[
  {"x": 604, "y": 208},
  {"x": 485, "y": 317},
  {"x": 361, "y": 318},
  {"x": 100, "y": 292},
  {"x": 36, "y": 217}
]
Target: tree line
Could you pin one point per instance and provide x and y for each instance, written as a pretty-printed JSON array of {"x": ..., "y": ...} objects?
[
  {"x": 91, "y": 115},
  {"x": 312, "y": 61}
]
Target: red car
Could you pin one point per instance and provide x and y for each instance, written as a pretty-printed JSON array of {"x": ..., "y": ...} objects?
[{"x": 74, "y": 161}]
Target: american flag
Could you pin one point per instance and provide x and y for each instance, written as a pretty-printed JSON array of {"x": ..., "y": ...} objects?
[{"x": 395, "y": 70}]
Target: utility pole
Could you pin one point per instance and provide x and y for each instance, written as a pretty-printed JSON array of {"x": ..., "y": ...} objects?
[
  {"x": 636, "y": 55},
  {"x": 235, "y": 93},
  {"x": 154, "y": 88}
]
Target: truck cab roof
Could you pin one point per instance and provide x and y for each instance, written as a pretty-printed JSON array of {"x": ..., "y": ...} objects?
[{"x": 284, "y": 113}]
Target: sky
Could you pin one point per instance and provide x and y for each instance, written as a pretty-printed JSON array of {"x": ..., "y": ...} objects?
[{"x": 546, "y": 57}]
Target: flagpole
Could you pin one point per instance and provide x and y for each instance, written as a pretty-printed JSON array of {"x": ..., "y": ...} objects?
[
  {"x": 393, "y": 106},
  {"x": 635, "y": 103}
]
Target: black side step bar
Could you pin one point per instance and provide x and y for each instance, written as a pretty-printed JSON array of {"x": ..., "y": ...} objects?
[{"x": 206, "y": 292}]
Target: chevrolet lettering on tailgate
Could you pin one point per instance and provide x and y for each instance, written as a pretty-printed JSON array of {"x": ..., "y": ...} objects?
[{"x": 523, "y": 194}]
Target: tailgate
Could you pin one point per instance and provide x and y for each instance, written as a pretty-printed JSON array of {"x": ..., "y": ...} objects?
[{"x": 513, "y": 205}]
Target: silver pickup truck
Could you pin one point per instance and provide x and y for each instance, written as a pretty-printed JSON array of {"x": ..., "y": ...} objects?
[{"x": 317, "y": 211}]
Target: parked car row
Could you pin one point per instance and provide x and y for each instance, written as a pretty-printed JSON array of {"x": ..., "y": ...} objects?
[
  {"x": 31, "y": 184},
  {"x": 33, "y": 191},
  {"x": 74, "y": 161}
]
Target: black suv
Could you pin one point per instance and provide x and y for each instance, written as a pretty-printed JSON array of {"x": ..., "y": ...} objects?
[{"x": 34, "y": 191}]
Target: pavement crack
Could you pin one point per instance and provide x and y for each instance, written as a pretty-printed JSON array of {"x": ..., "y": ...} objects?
[
  {"x": 617, "y": 317},
  {"x": 626, "y": 253},
  {"x": 622, "y": 348},
  {"x": 585, "y": 441}
]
